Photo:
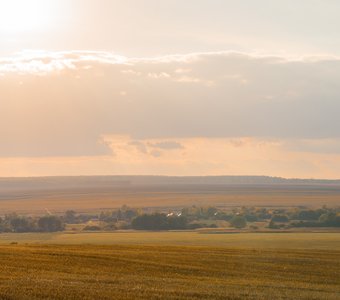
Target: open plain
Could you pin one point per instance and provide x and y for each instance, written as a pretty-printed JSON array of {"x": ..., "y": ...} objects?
[{"x": 88, "y": 194}]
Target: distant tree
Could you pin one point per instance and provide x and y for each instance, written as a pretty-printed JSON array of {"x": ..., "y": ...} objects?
[
  {"x": 330, "y": 219},
  {"x": 327, "y": 217},
  {"x": 50, "y": 224},
  {"x": 238, "y": 221},
  {"x": 221, "y": 215},
  {"x": 128, "y": 213},
  {"x": 70, "y": 217},
  {"x": 308, "y": 215},
  {"x": 175, "y": 222},
  {"x": 250, "y": 217},
  {"x": 21, "y": 224},
  {"x": 158, "y": 221},
  {"x": 263, "y": 214},
  {"x": 125, "y": 213},
  {"x": 280, "y": 218},
  {"x": 154, "y": 221},
  {"x": 91, "y": 228},
  {"x": 106, "y": 216},
  {"x": 2, "y": 225},
  {"x": 210, "y": 212},
  {"x": 273, "y": 225}
]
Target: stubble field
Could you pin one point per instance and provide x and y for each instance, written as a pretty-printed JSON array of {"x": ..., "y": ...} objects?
[{"x": 170, "y": 265}]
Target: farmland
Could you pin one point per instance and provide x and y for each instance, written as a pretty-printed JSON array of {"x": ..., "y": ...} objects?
[
  {"x": 310, "y": 240},
  {"x": 254, "y": 262},
  {"x": 166, "y": 272},
  {"x": 170, "y": 265},
  {"x": 93, "y": 194}
]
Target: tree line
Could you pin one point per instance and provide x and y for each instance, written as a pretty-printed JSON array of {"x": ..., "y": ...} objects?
[
  {"x": 193, "y": 217},
  {"x": 16, "y": 223}
]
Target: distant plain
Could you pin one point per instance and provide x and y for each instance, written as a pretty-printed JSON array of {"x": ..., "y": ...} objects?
[{"x": 37, "y": 199}]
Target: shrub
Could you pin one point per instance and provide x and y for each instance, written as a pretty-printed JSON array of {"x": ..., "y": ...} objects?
[
  {"x": 238, "y": 221},
  {"x": 91, "y": 228}
]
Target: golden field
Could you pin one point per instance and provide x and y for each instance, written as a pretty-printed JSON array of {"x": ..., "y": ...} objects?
[
  {"x": 170, "y": 265},
  {"x": 291, "y": 240}
]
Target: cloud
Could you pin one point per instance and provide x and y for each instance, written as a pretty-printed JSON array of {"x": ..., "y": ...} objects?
[
  {"x": 167, "y": 145},
  {"x": 62, "y": 103},
  {"x": 42, "y": 62},
  {"x": 124, "y": 146},
  {"x": 324, "y": 146},
  {"x": 184, "y": 156}
]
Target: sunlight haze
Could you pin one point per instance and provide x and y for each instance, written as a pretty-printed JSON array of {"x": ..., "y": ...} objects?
[{"x": 170, "y": 87}]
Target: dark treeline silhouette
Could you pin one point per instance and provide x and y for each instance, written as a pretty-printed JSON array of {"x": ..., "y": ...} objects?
[
  {"x": 16, "y": 223},
  {"x": 193, "y": 217},
  {"x": 158, "y": 221}
]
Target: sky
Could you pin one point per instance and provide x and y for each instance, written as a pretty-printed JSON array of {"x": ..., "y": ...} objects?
[{"x": 169, "y": 87}]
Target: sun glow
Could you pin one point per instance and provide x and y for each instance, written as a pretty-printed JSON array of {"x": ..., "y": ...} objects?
[{"x": 24, "y": 15}]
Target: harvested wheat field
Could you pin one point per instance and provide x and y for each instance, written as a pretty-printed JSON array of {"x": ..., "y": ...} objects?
[{"x": 166, "y": 272}]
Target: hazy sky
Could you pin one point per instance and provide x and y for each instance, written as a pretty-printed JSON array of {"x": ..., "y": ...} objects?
[{"x": 192, "y": 87}]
